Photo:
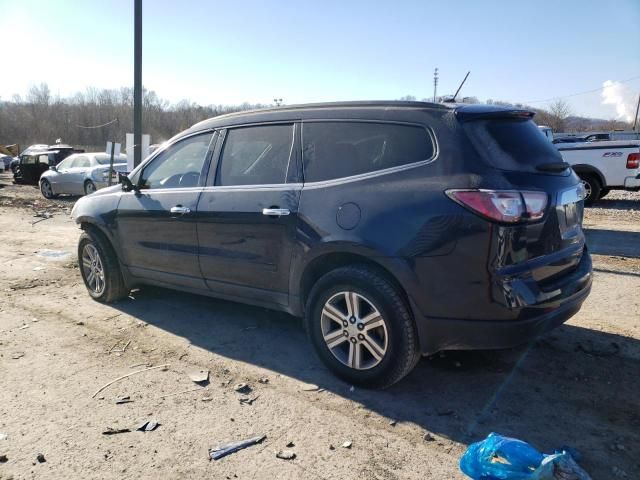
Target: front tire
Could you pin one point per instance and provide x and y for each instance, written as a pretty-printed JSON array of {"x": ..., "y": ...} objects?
[
  {"x": 89, "y": 187},
  {"x": 361, "y": 327},
  {"x": 46, "y": 189},
  {"x": 592, "y": 187},
  {"x": 100, "y": 269}
]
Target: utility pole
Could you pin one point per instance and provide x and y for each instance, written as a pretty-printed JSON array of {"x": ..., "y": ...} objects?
[
  {"x": 137, "y": 84},
  {"x": 635, "y": 119},
  {"x": 435, "y": 84}
]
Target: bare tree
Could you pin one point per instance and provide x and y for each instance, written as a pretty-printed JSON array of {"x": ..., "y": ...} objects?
[{"x": 559, "y": 111}]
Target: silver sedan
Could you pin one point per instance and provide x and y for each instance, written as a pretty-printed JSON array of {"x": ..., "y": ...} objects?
[{"x": 81, "y": 174}]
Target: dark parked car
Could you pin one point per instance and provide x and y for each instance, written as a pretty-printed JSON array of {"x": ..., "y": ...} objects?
[
  {"x": 36, "y": 162},
  {"x": 394, "y": 228}
]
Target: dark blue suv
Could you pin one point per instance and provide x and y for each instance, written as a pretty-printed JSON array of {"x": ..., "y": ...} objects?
[{"x": 396, "y": 229}]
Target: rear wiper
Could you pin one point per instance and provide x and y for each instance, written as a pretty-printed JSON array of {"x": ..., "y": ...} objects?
[{"x": 553, "y": 167}]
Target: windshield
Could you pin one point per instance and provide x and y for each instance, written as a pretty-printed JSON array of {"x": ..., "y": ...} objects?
[{"x": 511, "y": 144}]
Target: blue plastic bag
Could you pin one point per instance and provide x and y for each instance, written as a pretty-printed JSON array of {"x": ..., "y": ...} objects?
[{"x": 504, "y": 458}]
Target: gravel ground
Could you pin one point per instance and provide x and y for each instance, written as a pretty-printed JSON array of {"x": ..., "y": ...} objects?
[{"x": 576, "y": 386}]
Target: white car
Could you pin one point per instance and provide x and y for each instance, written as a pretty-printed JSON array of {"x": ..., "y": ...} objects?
[{"x": 81, "y": 174}]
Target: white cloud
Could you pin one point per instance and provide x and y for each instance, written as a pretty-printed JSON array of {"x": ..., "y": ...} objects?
[{"x": 621, "y": 97}]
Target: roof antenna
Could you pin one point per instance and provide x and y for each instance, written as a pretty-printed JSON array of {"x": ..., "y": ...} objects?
[{"x": 458, "y": 91}]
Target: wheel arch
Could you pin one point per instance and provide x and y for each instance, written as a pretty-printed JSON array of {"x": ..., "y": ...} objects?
[{"x": 590, "y": 170}]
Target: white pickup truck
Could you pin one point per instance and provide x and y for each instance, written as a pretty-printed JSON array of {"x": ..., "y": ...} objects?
[{"x": 603, "y": 165}]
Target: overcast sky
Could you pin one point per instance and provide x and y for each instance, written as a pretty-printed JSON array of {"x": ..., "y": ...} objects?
[{"x": 228, "y": 52}]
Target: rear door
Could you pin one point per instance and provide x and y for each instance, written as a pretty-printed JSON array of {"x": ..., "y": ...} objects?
[
  {"x": 247, "y": 213},
  {"x": 74, "y": 176},
  {"x": 156, "y": 225}
]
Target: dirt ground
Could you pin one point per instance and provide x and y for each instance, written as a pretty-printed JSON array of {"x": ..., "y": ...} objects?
[{"x": 578, "y": 386}]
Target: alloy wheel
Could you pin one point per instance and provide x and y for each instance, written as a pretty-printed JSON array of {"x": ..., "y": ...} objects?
[
  {"x": 45, "y": 188},
  {"x": 93, "y": 269},
  {"x": 354, "y": 331},
  {"x": 89, "y": 188},
  {"x": 587, "y": 189}
]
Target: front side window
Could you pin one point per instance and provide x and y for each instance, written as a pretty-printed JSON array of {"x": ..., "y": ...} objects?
[
  {"x": 66, "y": 163},
  {"x": 81, "y": 162},
  {"x": 256, "y": 155},
  {"x": 343, "y": 149},
  {"x": 179, "y": 166}
]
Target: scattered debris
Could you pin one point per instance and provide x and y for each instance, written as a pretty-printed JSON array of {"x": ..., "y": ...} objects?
[
  {"x": 4, "y": 459},
  {"x": 45, "y": 216},
  {"x": 504, "y": 457},
  {"x": 427, "y": 437},
  {"x": 3, "y": 436},
  {"x": 199, "y": 376},
  {"x": 149, "y": 426},
  {"x": 54, "y": 254},
  {"x": 17, "y": 355},
  {"x": 120, "y": 350},
  {"x": 112, "y": 317},
  {"x": 80, "y": 323},
  {"x": 263, "y": 380},
  {"x": 331, "y": 447},
  {"x": 180, "y": 393},
  {"x": 290, "y": 445},
  {"x": 310, "y": 387},
  {"x": 392, "y": 423},
  {"x": 347, "y": 444},
  {"x": 127, "y": 375},
  {"x": 114, "y": 431},
  {"x": 37, "y": 269},
  {"x": 232, "y": 447},
  {"x": 26, "y": 325},
  {"x": 248, "y": 401},
  {"x": 122, "y": 400},
  {"x": 40, "y": 458},
  {"x": 286, "y": 454},
  {"x": 242, "y": 388},
  {"x": 598, "y": 351},
  {"x": 140, "y": 365},
  {"x": 207, "y": 399}
]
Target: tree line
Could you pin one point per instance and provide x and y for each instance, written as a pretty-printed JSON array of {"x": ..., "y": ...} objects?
[{"x": 91, "y": 118}]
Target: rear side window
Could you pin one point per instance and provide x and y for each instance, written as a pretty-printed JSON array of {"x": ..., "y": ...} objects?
[
  {"x": 343, "y": 149},
  {"x": 511, "y": 144},
  {"x": 256, "y": 155}
]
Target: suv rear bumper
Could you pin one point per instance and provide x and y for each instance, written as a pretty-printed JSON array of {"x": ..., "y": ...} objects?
[{"x": 532, "y": 320}]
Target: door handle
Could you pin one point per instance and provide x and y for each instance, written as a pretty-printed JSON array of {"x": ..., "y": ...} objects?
[
  {"x": 180, "y": 209},
  {"x": 275, "y": 212}
]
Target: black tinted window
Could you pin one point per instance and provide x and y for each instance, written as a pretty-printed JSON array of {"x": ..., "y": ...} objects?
[
  {"x": 256, "y": 155},
  {"x": 179, "y": 166},
  {"x": 342, "y": 149},
  {"x": 512, "y": 144}
]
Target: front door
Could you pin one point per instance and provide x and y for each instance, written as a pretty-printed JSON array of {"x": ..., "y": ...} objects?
[
  {"x": 247, "y": 215},
  {"x": 157, "y": 224}
]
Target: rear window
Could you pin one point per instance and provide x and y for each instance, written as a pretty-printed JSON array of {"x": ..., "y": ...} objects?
[
  {"x": 510, "y": 144},
  {"x": 343, "y": 149}
]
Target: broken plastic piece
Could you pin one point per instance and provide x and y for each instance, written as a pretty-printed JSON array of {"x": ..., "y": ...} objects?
[
  {"x": 149, "y": 426},
  {"x": 232, "y": 447},
  {"x": 504, "y": 458}
]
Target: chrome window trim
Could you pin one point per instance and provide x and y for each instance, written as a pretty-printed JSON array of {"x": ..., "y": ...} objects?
[{"x": 376, "y": 173}]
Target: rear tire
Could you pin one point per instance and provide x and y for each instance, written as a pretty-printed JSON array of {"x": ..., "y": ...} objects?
[
  {"x": 593, "y": 188},
  {"x": 100, "y": 269},
  {"x": 89, "y": 187},
  {"x": 361, "y": 327}
]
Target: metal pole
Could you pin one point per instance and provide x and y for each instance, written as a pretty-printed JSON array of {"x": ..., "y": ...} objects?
[
  {"x": 113, "y": 147},
  {"x": 137, "y": 85},
  {"x": 435, "y": 84},
  {"x": 635, "y": 119}
]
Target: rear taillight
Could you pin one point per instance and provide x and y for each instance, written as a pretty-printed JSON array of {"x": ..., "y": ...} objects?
[
  {"x": 633, "y": 161},
  {"x": 505, "y": 206}
]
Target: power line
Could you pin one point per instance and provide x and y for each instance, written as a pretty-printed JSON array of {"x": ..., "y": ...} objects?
[
  {"x": 98, "y": 126},
  {"x": 579, "y": 93}
]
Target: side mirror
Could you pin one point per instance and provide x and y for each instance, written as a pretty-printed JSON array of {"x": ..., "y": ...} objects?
[
  {"x": 54, "y": 168},
  {"x": 127, "y": 185}
]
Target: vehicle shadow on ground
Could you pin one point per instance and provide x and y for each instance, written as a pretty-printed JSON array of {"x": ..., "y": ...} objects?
[
  {"x": 538, "y": 392},
  {"x": 613, "y": 242}
]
